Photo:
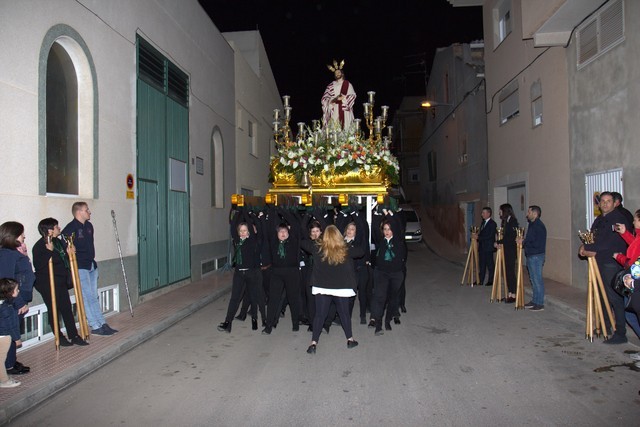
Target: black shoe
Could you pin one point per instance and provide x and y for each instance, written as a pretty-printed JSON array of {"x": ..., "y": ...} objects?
[
  {"x": 363, "y": 320},
  {"x": 396, "y": 320},
  {"x": 282, "y": 313},
  {"x": 295, "y": 328},
  {"x": 254, "y": 324},
  {"x": 101, "y": 331},
  {"x": 403, "y": 309},
  {"x": 387, "y": 326},
  {"x": 311, "y": 349},
  {"x": 616, "y": 339},
  {"x": 225, "y": 327},
  {"x": 304, "y": 321},
  {"x": 372, "y": 323},
  {"x": 327, "y": 328},
  {"x": 21, "y": 367},
  {"x": 310, "y": 328},
  {"x": 266, "y": 331},
  {"x": 241, "y": 317},
  {"x": 352, "y": 343},
  {"x": 16, "y": 371},
  {"x": 489, "y": 284},
  {"x": 109, "y": 329},
  {"x": 379, "y": 331},
  {"x": 78, "y": 341},
  {"x": 509, "y": 300},
  {"x": 64, "y": 342}
]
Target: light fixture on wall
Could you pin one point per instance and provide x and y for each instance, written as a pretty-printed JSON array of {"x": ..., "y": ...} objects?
[{"x": 432, "y": 105}]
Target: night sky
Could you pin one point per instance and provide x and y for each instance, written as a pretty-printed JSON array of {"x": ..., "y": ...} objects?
[{"x": 388, "y": 46}]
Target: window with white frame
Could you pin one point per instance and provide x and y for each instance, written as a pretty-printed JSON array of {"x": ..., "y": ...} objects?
[
  {"x": 502, "y": 23},
  {"x": 536, "y": 103},
  {"x": 217, "y": 171},
  {"x": 602, "y": 32},
  {"x": 253, "y": 144},
  {"x": 509, "y": 102}
]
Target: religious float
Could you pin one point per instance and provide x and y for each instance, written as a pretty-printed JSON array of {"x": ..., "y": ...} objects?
[{"x": 334, "y": 161}]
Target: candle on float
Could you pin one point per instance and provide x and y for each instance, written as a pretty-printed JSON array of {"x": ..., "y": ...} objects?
[
  {"x": 276, "y": 114},
  {"x": 367, "y": 108},
  {"x": 287, "y": 113},
  {"x": 385, "y": 111},
  {"x": 285, "y": 99},
  {"x": 275, "y": 125},
  {"x": 371, "y": 95},
  {"x": 390, "y": 132},
  {"x": 301, "y": 128},
  {"x": 378, "y": 124}
]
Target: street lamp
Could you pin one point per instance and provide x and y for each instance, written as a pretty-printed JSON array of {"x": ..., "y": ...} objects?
[{"x": 429, "y": 104}]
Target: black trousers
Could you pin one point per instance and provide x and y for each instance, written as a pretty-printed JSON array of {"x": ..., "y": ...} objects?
[
  {"x": 250, "y": 280},
  {"x": 362, "y": 279},
  {"x": 608, "y": 272},
  {"x": 486, "y": 262},
  {"x": 510, "y": 267},
  {"x": 308, "y": 302},
  {"x": 63, "y": 303},
  {"x": 323, "y": 302},
  {"x": 287, "y": 279},
  {"x": 386, "y": 287}
]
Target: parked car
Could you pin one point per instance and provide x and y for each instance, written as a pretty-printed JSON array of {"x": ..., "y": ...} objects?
[{"x": 413, "y": 231}]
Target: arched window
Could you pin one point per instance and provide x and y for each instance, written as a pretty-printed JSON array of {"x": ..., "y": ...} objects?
[
  {"x": 62, "y": 123},
  {"x": 68, "y": 111},
  {"x": 217, "y": 172}
]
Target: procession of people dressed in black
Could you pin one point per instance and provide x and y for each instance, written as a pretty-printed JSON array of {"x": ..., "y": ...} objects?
[{"x": 318, "y": 276}]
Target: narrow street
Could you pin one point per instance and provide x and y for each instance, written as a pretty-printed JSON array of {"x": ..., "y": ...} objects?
[{"x": 455, "y": 360}]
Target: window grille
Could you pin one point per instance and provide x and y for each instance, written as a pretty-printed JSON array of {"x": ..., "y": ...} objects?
[
  {"x": 602, "y": 32},
  {"x": 597, "y": 182}
]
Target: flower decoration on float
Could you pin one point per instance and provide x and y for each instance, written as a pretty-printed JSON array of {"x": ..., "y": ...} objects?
[{"x": 331, "y": 150}]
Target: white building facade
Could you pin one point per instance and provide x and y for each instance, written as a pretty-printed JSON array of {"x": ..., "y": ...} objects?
[{"x": 130, "y": 107}]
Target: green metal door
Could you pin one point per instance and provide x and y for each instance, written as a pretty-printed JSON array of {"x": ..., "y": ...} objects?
[
  {"x": 148, "y": 228},
  {"x": 163, "y": 155},
  {"x": 178, "y": 207}
]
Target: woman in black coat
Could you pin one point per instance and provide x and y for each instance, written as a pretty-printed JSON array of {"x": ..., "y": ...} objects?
[
  {"x": 508, "y": 242},
  {"x": 51, "y": 247},
  {"x": 333, "y": 279}
]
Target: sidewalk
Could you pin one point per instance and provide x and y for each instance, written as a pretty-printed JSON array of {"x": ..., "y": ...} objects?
[
  {"x": 570, "y": 300},
  {"x": 53, "y": 371}
]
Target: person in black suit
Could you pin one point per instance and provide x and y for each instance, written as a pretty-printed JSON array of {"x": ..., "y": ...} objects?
[
  {"x": 486, "y": 238},
  {"x": 509, "y": 225}
]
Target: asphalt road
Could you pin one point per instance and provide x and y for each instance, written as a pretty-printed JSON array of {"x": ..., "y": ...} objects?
[{"x": 455, "y": 360}]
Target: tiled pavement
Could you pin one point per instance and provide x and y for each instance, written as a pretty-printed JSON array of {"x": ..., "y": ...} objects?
[{"x": 52, "y": 370}]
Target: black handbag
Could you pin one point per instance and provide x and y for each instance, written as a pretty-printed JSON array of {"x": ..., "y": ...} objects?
[{"x": 618, "y": 283}]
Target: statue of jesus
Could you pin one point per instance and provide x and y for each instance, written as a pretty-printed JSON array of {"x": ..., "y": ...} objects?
[{"x": 338, "y": 99}]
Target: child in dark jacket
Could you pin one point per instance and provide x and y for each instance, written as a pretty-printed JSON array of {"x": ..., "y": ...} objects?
[{"x": 9, "y": 326}]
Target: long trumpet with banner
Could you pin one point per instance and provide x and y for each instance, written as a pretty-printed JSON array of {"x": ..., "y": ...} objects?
[
  {"x": 520, "y": 275},
  {"x": 473, "y": 278},
  {"x": 596, "y": 296},
  {"x": 77, "y": 288},
  {"x": 500, "y": 272},
  {"x": 54, "y": 301}
]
